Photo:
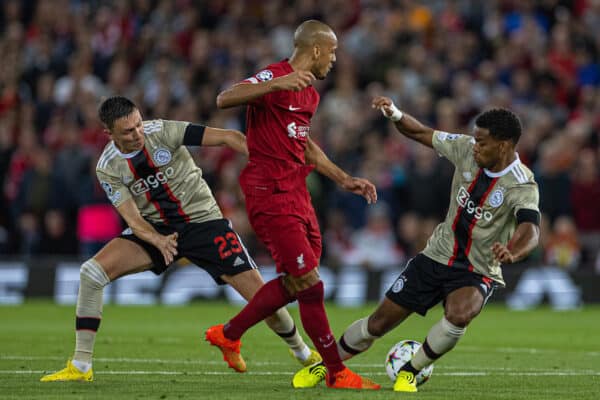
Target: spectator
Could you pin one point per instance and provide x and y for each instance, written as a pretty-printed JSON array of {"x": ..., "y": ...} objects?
[
  {"x": 561, "y": 253},
  {"x": 443, "y": 61},
  {"x": 553, "y": 181},
  {"x": 56, "y": 237},
  {"x": 374, "y": 246},
  {"x": 40, "y": 188},
  {"x": 585, "y": 197},
  {"x": 336, "y": 239}
]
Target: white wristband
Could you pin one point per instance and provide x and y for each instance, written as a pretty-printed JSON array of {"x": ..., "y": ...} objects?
[{"x": 396, "y": 114}]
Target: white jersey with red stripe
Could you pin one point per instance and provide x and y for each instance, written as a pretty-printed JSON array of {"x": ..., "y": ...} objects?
[
  {"x": 483, "y": 208},
  {"x": 162, "y": 178}
]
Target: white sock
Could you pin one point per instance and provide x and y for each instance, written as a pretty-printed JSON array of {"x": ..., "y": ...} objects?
[
  {"x": 442, "y": 337},
  {"x": 355, "y": 339},
  {"x": 282, "y": 324},
  {"x": 92, "y": 280},
  {"x": 302, "y": 354},
  {"x": 82, "y": 366}
]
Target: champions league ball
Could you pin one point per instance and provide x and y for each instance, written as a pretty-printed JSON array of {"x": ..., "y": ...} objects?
[{"x": 401, "y": 353}]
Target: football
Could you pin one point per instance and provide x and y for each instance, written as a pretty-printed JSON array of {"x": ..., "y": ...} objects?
[{"x": 401, "y": 353}]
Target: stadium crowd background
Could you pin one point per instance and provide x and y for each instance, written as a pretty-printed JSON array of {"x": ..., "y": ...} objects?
[{"x": 441, "y": 61}]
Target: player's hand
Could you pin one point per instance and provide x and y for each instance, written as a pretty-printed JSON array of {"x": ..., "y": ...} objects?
[
  {"x": 362, "y": 187},
  {"x": 384, "y": 104},
  {"x": 295, "y": 81},
  {"x": 167, "y": 244},
  {"x": 503, "y": 254}
]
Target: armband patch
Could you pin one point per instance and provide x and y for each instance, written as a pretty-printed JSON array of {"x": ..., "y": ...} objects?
[
  {"x": 526, "y": 215},
  {"x": 193, "y": 135}
]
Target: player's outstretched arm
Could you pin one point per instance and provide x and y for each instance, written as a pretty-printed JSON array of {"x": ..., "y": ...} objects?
[
  {"x": 142, "y": 229},
  {"x": 406, "y": 124},
  {"x": 225, "y": 137},
  {"x": 360, "y": 186},
  {"x": 243, "y": 93},
  {"x": 522, "y": 242}
]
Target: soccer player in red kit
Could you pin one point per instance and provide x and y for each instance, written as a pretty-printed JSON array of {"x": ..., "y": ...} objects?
[{"x": 281, "y": 102}]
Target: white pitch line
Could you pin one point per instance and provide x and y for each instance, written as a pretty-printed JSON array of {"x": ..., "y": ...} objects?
[
  {"x": 218, "y": 373},
  {"x": 528, "y": 350},
  {"x": 464, "y": 368},
  {"x": 136, "y": 360},
  {"x": 131, "y": 360}
]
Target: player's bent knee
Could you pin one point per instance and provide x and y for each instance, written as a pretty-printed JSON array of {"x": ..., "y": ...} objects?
[
  {"x": 93, "y": 273},
  {"x": 461, "y": 314},
  {"x": 379, "y": 324},
  {"x": 295, "y": 284},
  {"x": 460, "y": 318}
]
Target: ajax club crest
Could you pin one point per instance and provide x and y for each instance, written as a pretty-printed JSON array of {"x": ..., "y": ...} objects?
[
  {"x": 399, "y": 284},
  {"x": 496, "y": 198},
  {"x": 162, "y": 157}
]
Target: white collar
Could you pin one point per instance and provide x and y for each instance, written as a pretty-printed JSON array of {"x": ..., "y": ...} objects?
[
  {"x": 124, "y": 155},
  {"x": 505, "y": 170}
]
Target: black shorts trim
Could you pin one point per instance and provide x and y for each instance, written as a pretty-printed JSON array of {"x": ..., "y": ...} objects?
[
  {"x": 213, "y": 246},
  {"x": 424, "y": 283}
]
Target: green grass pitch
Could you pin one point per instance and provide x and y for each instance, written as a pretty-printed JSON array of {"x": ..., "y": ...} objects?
[{"x": 157, "y": 352}]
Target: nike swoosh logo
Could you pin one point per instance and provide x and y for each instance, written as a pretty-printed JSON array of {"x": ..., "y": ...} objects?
[
  {"x": 292, "y": 108},
  {"x": 329, "y": 344}
]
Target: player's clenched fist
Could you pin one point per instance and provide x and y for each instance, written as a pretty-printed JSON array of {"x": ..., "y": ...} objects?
[
  {"x": 295, "y": 81},
  {"x": 502, "y": 253},
  {"x": 168, "y": 247},
  {"x": 387, "y": 108}
]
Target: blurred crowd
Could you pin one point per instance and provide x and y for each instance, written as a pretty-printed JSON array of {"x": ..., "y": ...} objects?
[{"x": 441, "y": 61}]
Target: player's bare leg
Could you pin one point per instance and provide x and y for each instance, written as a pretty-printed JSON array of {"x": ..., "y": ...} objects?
[
  {"x": 361, "y": 334},
  {"x": 281, "y": 322},
  {"x": 462, "y": 305},
  {"x": 95, "y": 274}
]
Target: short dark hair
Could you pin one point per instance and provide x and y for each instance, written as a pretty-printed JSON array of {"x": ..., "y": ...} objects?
[
  {"x": 114, "y": 108},
  {"x": 502, "y": 124}
]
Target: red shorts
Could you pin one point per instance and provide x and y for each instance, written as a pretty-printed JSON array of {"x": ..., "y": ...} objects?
[{"x": 287, "y": 224}]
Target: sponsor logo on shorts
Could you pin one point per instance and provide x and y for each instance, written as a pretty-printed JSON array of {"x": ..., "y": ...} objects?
[
  {"x": 238, "y": 261},
  {"x": 162, "y": 157}
]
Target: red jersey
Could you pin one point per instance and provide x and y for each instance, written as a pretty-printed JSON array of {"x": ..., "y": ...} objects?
[{"x": 277, "y": 128}]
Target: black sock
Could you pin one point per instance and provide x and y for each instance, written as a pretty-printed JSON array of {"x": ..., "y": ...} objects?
[{"x": 409, "y": 367}]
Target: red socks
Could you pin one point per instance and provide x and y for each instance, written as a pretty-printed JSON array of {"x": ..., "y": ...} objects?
[
  {"x": 269, "y": 298},
  {"x": 316, "y": 325}
]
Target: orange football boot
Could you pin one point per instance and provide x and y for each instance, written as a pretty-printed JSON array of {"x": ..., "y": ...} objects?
[
  {"x": 230, "y": 348},
  {"x": 346, "y": 379}
]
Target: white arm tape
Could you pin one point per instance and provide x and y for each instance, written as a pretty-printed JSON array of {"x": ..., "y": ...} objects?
[{"x": 396, "y": 114}]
